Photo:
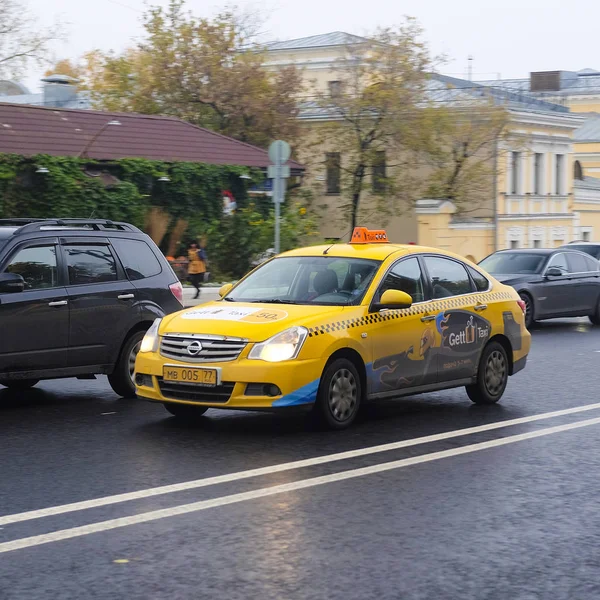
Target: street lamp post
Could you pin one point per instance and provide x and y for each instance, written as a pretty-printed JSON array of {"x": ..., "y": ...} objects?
[{"x": 113, "y": 122}]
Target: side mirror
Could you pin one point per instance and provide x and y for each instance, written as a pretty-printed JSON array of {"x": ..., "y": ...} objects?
[
  {"x": 393, "y": 300},
  {"x": 225, "y": 289},
  {"x": 11, "y": 283},
  {"x": 554, "y": 272}
]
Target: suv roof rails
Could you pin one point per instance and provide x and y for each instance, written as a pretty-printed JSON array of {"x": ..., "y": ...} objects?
[{"x": 27, "y": 225}]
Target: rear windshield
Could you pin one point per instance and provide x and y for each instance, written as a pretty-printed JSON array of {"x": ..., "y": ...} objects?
[{"x": 591, "y": 250}]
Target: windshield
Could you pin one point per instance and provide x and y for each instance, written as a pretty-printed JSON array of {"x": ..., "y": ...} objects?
[
  {"x": 591, "y": 250},
  {"x": 513, "y": 263},
  {"x": 307, "y": 280}
]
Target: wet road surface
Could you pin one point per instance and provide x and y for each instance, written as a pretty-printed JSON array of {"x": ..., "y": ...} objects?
[{"x": 505, "y": 510}]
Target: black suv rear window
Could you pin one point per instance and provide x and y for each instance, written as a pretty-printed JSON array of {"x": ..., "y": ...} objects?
[{"x": 138, "y": 259}]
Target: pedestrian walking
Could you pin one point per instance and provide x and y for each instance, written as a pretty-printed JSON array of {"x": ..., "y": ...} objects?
[{"x": 197, "y": 264}]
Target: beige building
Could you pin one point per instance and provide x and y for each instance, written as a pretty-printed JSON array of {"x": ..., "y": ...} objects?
[{"x": 541, "y": 195}]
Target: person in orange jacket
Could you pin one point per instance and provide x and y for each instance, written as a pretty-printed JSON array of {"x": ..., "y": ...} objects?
[{"x": 196, "y": 266}]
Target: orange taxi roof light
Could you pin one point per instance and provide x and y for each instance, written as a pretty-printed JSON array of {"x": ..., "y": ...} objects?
[{"x": 362, "y": 235}]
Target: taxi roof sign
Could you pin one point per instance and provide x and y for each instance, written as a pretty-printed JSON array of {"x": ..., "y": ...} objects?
[{"x": 362, "y": 235}]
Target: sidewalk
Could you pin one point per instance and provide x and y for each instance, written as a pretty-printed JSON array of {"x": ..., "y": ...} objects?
[{"x": 207, "y": 294}]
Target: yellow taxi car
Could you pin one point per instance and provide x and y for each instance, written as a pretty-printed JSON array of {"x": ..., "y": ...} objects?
[{"x": 332, "y": 327}]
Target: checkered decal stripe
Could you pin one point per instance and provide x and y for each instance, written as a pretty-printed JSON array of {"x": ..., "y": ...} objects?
[{"x": 421, "y": 309}]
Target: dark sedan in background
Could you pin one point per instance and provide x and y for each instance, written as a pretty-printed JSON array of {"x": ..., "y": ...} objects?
[{"x": 552, "y": 283}]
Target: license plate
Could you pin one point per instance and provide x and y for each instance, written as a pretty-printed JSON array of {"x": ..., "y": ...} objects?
[{"x": 204, "y": 377}]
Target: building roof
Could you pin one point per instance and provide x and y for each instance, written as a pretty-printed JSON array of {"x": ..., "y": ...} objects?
[
  {"x": 31, "y": 130},
  {"x": 590, "y": 130},
  {"x": 336, "y": 38}
]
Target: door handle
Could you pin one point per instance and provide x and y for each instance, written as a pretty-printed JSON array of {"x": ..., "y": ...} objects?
[
  {"x": 428, "y": 318},
  {"x": 59, "y": 303},
  {"x": 481, "y": 307},
  {"x": 126, "y": 296}
]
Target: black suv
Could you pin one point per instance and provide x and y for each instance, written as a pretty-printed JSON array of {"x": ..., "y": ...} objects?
[{"x": 76, "y": 298}]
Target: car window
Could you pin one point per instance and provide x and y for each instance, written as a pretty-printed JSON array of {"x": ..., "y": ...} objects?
[
  {"x": 448, "y": 277},
  {"x": 138, "y": 259},
  {"x": 37, "y": 266},
  {"x": 90, "y": 264},
  {"x": 481, "y": 282},
  {"x": 577, "y": 263},
  {"x": 592, "y": 250},
  {"x": 592, "y": 263},
  {"x": 307, "y": 280},
  {"x": 513, "y": 263},
  {"x": 559, "y": 261},
  {"x": 405, "y": 276}
]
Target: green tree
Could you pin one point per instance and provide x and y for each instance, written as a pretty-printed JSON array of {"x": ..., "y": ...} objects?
[
  {"x": 371, "y": 115},
  {"x": 207, "y": 71}
]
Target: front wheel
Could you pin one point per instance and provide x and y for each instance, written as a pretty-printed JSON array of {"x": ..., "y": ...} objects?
[
  {"x": 121, "y": 379},
  {"x": 595, "y": 318},
  {"x": 339, "y": 395},
  {"x": 185, "y": 411},
  {"x": 492, "y": 375},
  {"x": 19, "y": 384},
  {"x": 529, "y": 309}
]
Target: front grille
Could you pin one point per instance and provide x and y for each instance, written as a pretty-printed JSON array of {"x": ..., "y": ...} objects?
[
  {"x": 189, "y": 391},
  {"x": 214, "y": 348}
]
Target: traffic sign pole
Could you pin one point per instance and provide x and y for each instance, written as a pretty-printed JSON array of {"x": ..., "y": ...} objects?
[{"x": 279, "y": 153}]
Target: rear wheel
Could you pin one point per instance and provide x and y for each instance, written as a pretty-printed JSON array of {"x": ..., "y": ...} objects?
[
  {"x": 339, "y": 395},
  {"x": 121, "y": 380},
  {"x": 529, "y": 309},
  {"x": 19, "y": 384},
  {"x": 492, "y": 375},
  {"x": 185, "y": 411}
]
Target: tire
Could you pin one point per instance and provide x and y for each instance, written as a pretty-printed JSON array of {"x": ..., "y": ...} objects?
[
  {"x": 529, "y": 309},
  {"x": 19, "y": 384},
  {"x": 339, "y": 395},
  {"x": 121, "y": 379},
  {"x": 492, "y": 375},
  {"x": 185, "y": 411},
  {"x": 595, "y": 318}
]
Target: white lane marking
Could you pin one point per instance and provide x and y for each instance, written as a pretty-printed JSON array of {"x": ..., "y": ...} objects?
[
  {"x": 155, "y": 515},
  {"x": 298, "y": 464}
]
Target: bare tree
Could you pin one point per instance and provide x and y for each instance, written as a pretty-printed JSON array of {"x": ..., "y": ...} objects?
[{"x": 21, "y": 40}]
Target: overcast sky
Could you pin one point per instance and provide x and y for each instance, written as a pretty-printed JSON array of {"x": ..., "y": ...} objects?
[{"x": 508, "y": 38}]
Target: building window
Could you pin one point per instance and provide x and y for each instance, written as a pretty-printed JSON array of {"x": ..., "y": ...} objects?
[
  {"x": 537, "y": 243},
  {"x": 335, "y": 88},
  {"x": 379, "y": 172},
  {"x": 587, "y": 236},
  {"x": 514, "y": 244},
  {"x": 538, "y": 173},
  {"x": 514, "y": 172},
  {"x": 332, "y": 163},
  {"x": 578, "y": 171},
  {"x": 559, "y": 174}
]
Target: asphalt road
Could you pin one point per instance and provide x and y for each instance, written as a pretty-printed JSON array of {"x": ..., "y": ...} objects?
[{"x": 507, "y": 511}]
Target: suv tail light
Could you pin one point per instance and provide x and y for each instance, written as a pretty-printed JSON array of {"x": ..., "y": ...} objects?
[
  {"x": 522, "y": 305},
  {"x": 177, "y": 291}
]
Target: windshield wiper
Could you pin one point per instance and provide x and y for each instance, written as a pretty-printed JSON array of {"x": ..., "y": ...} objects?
[
  {"x": 273, "y": 301},
  {"x": 229, "y": 299}
]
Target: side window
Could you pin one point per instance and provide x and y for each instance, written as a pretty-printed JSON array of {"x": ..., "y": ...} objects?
[
  {"x": 90, "y": 264},
  {"x": 37, "y": 266},
  {"x": 481, "y": 282},
  {"x": 405, "y": 276},
  {"x": 448, "y": 277},
  {"x": 577, "y": 263},
  {"x": 559, "y": 261},
  {"x": 137, "y": 258},
  {"x": 592, "y": 264}
]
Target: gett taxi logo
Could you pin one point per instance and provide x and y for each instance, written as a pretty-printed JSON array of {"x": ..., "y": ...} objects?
[{"x": 462, "y": 331}]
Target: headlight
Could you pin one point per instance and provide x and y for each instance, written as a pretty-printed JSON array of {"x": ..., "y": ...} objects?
[
  {"x": 150, "y": 341},
  {"x": 283, "y": 346}
]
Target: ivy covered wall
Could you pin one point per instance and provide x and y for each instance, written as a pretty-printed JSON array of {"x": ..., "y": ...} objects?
[{"x": 187, "y": 206}]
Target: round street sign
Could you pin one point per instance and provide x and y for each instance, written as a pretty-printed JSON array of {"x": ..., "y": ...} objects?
[{"x": 279, "y": 152}]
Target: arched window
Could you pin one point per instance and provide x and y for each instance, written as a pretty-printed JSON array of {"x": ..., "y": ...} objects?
[{"x": 578, "y": 170}]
